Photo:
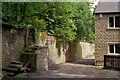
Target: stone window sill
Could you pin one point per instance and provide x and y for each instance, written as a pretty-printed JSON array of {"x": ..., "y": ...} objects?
[
  {"x": 113, "y": 54},
  {"x": 113, "y": 28}
]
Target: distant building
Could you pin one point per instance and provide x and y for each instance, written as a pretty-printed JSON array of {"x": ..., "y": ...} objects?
[{"x": 107, "y": 30}]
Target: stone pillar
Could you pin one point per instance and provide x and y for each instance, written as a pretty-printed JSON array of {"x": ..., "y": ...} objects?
[{"x": 42, "y": 59}]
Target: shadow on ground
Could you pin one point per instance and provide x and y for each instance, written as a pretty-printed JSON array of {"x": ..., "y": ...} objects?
[
  {"x": 71, "y": 70},
  {"x": 86, "y": 61}
]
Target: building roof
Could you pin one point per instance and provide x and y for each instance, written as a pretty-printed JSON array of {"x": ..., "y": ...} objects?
[{"x": 108, "y": 7}]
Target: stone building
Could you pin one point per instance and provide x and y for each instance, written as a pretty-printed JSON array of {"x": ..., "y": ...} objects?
[{"x": 107, "y": 30}]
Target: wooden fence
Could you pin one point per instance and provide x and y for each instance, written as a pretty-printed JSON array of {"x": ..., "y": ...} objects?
[{"x": 112, "y": 61}]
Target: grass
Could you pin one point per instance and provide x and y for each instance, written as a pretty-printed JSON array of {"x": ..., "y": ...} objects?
[
  {"x": 4, "y": 73},
  {"x": 21, "y": 75}
]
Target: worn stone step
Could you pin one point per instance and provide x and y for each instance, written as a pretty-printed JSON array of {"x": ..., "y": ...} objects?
[
  {"x": 8, "y": 69},
  {"x": 15, "y": 66},
  {"x": 11, "y": 74},
  {"x": 16, "y": 62}
]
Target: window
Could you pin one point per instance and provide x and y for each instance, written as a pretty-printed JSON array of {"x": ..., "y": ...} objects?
[
  {"x": 114, "y": 22},
  {"x": 117, "y": 21},
  {"x": 117, "y": 48},
  {"x": 114, "y": 48},
  {"x": 111, "y": 47},
  {"x": 111, "y": 21}
]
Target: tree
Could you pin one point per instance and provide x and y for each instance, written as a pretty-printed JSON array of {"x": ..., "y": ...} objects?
[
  {"x": 64, "y": 20},
  {"x": 84, "y": 20}
]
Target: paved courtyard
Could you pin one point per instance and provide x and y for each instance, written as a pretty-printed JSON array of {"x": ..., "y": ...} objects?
[{"x": 72, "y": 70}]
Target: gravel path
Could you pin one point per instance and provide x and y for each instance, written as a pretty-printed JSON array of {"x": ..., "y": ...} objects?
[{"x": 70, "y": 70}]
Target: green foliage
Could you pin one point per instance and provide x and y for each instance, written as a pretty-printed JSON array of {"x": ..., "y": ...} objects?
[
  {"x": 66, "y": 30},
  {"x": 84, "y": 20},
  {"x": 21, "y": 75},
  {"x": 4, "y": 73},
  {"x": 67, "y": 21}
]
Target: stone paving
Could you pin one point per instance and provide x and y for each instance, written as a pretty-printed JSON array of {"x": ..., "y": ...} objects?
[{"x": 72, "y": 70}]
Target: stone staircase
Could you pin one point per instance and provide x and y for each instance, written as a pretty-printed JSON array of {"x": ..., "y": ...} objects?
[
  {"x": 29, "y": 58},
  {"x": 13, "y": 68},
  {"x": 16, "y": 67}
]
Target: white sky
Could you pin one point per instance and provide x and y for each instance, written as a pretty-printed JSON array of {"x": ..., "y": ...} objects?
[{"x": 95, "y": 2}]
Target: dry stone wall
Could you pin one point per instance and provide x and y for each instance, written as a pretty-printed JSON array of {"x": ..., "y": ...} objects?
[{"x": 12, "y": 43}]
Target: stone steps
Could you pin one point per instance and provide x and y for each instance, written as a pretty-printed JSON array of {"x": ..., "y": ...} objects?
[
  {"x": 29, "y": 57},
  {"x": 11, "y": 74},
  {"x": 13, "y": 68}
]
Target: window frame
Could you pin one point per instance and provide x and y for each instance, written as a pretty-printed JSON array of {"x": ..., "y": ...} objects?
[
  {"x": 112, "y": 43},
  {"x": 113, "y": 27}
]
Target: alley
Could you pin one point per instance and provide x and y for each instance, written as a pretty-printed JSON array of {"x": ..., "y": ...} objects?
[{"x": 72, "y": 70}]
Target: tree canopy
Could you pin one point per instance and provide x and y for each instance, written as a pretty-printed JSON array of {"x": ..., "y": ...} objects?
[{"x": 67, "y": 21}]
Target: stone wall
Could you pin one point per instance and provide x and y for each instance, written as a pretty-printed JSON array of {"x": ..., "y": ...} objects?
[
  {"x": 42, "y": 59},
  {"x": 12, "y": 43},
  {"x": 60, "y": 52},
  {"x": 56, "y": 51},
  {"x": 87, "y": 49},
  {"x": 42, "y": 38},
  {"x": 71, "y": 52},
  {"x": 103, "y": 35},
  {"x": 79, "y": 50}
]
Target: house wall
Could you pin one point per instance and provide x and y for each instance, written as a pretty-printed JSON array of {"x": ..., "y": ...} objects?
[
  {"x": 12, "y": 44},
  {"x": 103, "y": 35}
]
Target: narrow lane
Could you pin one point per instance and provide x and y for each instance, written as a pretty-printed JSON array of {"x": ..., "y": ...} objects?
[{"x": 71, "y": 70}]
